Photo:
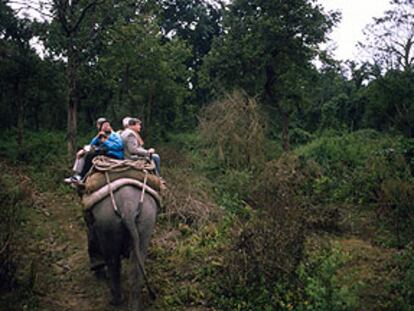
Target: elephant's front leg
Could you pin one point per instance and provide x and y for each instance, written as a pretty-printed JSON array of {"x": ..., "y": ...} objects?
[{"x": 114, "y": 269}]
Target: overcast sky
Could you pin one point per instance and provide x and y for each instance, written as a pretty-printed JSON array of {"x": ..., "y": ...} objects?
[{"x": 356, "y": 14}]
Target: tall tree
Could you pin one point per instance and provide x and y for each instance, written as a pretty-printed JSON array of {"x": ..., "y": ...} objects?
[
  {"x": 73, "y": 33},
  {"x": 389, "y": 40},
  {"x": 391, "y": 102},
  {"x": 197, "y": 22},
  {"x": 70, "y": 15},
  {"x": 266, "y": 49},
  {"x": 18, "y": 62},
  {"x": 144, "y": 75}
]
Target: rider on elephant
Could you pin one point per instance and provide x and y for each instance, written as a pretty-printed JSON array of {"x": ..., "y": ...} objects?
[
  {"x": 106, "y": 142},
  {"x": 133, "y": 143}
]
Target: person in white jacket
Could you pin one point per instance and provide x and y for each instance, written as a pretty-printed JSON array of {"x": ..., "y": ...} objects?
[{"x": 133, "y": 143}]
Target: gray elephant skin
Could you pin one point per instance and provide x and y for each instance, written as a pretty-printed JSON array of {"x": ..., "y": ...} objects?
[{"x": 127, "y": 231}]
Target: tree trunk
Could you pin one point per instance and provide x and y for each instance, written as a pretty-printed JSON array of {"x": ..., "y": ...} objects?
[
  {"x": 150, "y": 103},
  {"x": 72, "y": 97},
  {"x": 285, "y": 131},
  {"x": 20, "y": 114},
  {"x": 407, "y": 54}
]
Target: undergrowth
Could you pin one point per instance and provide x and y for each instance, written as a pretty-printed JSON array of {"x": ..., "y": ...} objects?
[
  {"x": 16, "y": 284},
  {"x": 234, "y": 234}
]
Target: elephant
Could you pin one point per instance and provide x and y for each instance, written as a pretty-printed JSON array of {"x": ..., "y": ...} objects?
[{"x": 125, "y": 232}]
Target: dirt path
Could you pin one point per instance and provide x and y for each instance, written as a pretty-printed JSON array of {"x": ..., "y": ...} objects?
[
  {"x": 53, "y": 241},
  {"x": 55, "y": 236}
]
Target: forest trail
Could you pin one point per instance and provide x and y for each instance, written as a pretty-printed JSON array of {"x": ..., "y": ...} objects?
[{"x": 53, "y": 241}]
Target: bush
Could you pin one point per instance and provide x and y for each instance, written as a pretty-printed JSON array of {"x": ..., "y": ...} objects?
[
  {"x": 267, "y": 251},
  {"x": 395, "y": 202},
  {"x": 322, "y": 291},
  {"x": 403, "y": 285},
  {"x": 234, "y": 129},
  {"x": 188, "y": 197},
  {"x": 16, "y": 291},
  {"x": 284, "y": 181},
  {"x": 299, "y": 136},
  {"x": 354, "y": 165},
  {"x": 366, "y": 169},
  {"x": 268, "y": 269},
  {"x": 39, "y": 148},
  {"x": 269, "y": 247}
]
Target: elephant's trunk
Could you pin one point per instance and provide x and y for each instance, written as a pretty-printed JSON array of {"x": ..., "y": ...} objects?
[{"x": 129, "y": 223}]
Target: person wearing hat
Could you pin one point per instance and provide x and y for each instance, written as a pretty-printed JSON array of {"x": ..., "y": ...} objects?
[
  {"x": 106, "y": 142},
  {"x": 133, "y": 142}
]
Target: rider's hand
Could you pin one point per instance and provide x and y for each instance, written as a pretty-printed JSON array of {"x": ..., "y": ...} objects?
[
  {"x": 80, "y": 153},
  {"x": 102, "y": 136}
]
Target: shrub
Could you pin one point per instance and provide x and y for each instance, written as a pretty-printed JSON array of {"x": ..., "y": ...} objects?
[
  {"x": 269, "y": 247},
  {"x": 354, "y": 165},
  {"x": 367, "y": 169},
  {"x": 39, "y": 148},
  {"x": 266, "y": 253},
  {"x": 395, "y": 202},
  {"x": 403, "y": 285},
  {"x": 299, "y": 136},
  {"x": 188, "y": 197},
  {"x": 234, "y": 129},
  {"x": 235, "y": 181},
  {"x": 321, "y": 287},
  {"x": 16, "y": 290}
]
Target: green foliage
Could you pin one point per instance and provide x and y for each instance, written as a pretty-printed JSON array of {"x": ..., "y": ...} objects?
[
  {"x": 322, "y": 288},
  {"x": 16, "y": 288},
  {"x": 266, "y": 50},
  {"x": 395, "y": 198},
  {"x": 332, "y": 112},
  {"x": 39, "y": 149},
  {"x": 197, "y": 23},
  {"x": 41, "y": 153},
  {"x": 262, "y": 35},
  {"x": 234, "y": 130},
  {"x": 153, "y": 85},
  {"x": 366, "y": 168},
  {"x": 314, "y": 285},
  {"x": 299, "y": 136},
  {"x": 404, "y": 285},
  {"x": 262, "y": 261},
  {"x": 342, "y": 159},
  {"x": 390, "y": 105}
]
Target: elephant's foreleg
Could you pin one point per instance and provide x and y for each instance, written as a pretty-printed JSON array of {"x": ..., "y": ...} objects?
[
  {"x": 114, "y": 269},
  {"x": 96, "y": 259}
]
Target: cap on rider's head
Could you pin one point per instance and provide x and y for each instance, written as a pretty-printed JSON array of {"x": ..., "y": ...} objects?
[
  {"x": 125, "y": 122},
  {"x": 133, "y": 121},
  {"x": 99, "y": 122}
]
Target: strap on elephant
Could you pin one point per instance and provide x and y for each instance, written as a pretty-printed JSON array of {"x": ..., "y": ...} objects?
[
  {"x": 108, "y": 181},
  {"x": 141, "y": 201}
]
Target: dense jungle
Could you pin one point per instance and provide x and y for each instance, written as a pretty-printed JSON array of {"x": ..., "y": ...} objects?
[{"x": 289, "y": 173}]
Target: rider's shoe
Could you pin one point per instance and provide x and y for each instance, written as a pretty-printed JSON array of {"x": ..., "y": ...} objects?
[
  {"x": 75, "y": 179},
  {"x": 163, "y": 184}
]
